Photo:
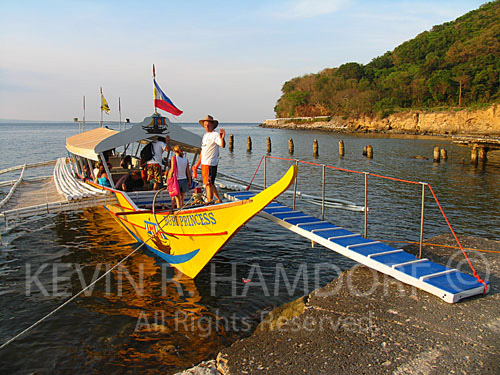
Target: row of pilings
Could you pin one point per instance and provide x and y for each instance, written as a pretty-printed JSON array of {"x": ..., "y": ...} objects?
[
  {"x": 367, "y": 151},
  {"x": 478, "y": 154}
]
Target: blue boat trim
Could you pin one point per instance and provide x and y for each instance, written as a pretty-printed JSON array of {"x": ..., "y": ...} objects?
[
  {"x": 175, "y": 259},
  {"x": 171, "y": 259}
]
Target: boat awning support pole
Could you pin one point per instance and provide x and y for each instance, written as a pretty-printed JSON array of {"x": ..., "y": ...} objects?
[
  {"x": 91, "y": 169},
  {"x": 79, "y": 166},
  {"x": 137, "y": 150},
  {"x": 422, "y": 222},
  {"x": 193, "y": 163},
  {"x": 101, "y": 155}
]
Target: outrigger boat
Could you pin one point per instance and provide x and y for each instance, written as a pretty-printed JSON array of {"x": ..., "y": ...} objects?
[{"x": 186, "y": 238}]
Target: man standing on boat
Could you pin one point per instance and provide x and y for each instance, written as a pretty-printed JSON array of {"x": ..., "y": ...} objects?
[{"x": 210, "y": 144}]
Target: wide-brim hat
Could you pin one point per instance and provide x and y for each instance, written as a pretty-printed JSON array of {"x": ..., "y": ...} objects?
[{"x": 211, "y": 119}]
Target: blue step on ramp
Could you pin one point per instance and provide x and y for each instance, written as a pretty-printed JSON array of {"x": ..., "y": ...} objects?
[{"x": 449, "y": 284}]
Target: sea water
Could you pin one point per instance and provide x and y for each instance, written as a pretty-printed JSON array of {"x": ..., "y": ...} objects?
[{"x": 144, "y": 318}]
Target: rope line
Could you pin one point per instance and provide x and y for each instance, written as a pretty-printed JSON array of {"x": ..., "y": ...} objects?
[
  {"x": 474, "y": 272},
  {"x": 338, "y": 169},
  {"x": 73, "y": 297},
  {"x": 250, "y": 184}
]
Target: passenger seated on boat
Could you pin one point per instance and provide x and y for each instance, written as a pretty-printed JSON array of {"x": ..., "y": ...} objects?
[
  {"x": 126, "y": 162},
  {"x": 102, "y": 177},
  {"x": 86, "y": 171},
  {"x": 131, "y": 182},
  {"x": 95, "y": 171}
]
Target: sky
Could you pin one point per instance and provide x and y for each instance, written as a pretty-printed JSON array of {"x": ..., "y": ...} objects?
[{"x": 226, "y": 58}]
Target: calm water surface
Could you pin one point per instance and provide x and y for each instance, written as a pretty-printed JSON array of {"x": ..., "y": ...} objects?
[{"x": 145, "y": 318}]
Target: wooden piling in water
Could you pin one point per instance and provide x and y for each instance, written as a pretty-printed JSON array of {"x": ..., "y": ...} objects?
[
  {"x": 473, "y": 155},
  {"x": 231, "y": 142},
  {"x": 290, "y": 146},
  {"x": 364, "y": 151},
  {"x": 444, "y": 154},
  {"x": 341, "y": 148},
  {"x": 249, "y": 143},
  {"x": 436, "y": 154},
  {"x": 481, "y": 154},
  {"x": 268, "y": 143},
  {"x": 315, "y": 148},
  {"x": 369, "y": 152}
]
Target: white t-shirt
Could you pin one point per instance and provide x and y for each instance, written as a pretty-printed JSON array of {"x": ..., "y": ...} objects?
[
  {"x": 158, "y": 147},
  {"x": 210, "y": 144},
  {"x": 182, "y": 163}
]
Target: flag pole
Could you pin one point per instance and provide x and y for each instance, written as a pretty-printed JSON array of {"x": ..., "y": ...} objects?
[
  {"x": 120, "y": 111},
  {"x": 154, "y": 88},
  {"x": 102, "y": 105},
  {"x": 84, "y": 113}
]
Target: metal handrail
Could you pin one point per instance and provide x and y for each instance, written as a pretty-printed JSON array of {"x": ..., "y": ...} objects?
[{"x": 366, "y": 174}]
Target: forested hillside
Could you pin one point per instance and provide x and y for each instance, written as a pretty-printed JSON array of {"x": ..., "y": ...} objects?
[{"x": 456, "y": 64}]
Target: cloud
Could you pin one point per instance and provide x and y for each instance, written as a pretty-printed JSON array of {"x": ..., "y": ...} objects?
[{"x": 300, "y": 9}]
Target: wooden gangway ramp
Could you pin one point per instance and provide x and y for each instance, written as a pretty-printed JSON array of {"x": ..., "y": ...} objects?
[
  {"x": 449, "y": 284},
  {"x": 40, "y": 196}
]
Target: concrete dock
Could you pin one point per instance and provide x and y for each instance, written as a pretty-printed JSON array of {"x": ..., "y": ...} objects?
[{"x": 365, "y": 322}]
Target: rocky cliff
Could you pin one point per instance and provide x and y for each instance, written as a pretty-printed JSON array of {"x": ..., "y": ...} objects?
[{"x": 465, "y": 122}]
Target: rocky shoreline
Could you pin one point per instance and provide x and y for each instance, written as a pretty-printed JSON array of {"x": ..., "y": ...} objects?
[
  {"x": 485, "y": 122},
  {"x": 367, "y": 322}
]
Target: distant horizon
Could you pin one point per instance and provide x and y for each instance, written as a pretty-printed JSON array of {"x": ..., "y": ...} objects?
[{"x": 18, "y": 121}]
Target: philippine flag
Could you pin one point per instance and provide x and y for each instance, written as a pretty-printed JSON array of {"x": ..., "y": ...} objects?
[{"x": 163, "y": 102}]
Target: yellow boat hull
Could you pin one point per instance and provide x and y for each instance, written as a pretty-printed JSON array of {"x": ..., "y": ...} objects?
[{"x": 188, "y": 239}]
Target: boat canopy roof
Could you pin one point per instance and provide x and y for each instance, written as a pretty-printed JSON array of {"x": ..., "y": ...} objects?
[
  {"x": 84, "y": 144},
  {"x": 89, "y": 144}
]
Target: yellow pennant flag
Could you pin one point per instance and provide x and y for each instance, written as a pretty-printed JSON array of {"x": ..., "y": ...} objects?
[{"x": 104, "y": 104}]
